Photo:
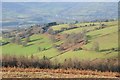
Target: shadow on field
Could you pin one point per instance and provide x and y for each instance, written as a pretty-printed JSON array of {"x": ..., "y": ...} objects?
[
  {"x": 35, "y": 40},
  {"x": 103, "y": 50},
  {"x": 111, "y": 49},
  {"x": 29, "y": 45}
]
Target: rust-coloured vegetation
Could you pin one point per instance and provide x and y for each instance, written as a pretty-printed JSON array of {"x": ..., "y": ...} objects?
[{"x": 55, "y": 73}]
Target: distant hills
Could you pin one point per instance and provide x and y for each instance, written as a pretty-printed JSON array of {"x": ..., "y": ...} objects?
[{"x": 24, "y": 13}]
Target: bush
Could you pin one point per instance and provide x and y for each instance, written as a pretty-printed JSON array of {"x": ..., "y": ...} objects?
[
  {"x": 34, "y": 62},
  {"x": 43, "y": 49},
  {"x": 76, "y": 49}
]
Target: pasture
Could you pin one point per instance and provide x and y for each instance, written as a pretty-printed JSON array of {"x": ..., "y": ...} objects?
[{"x": 106, "y": 37}]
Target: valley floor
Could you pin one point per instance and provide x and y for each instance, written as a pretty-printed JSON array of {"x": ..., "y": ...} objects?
[{"x": 55, "y": 73}]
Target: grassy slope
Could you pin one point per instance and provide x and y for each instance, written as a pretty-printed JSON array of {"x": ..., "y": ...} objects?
[
  {"x": 36, "y": 41},
  {"x": 58, "y": 27},
  {"x": 106, "y": 37},
  {"x": 87, "y": 55},
  {"x": 76, "y": 30},
  {"x": 48, "y": 53},
  {"x": 105, "y": 42}
]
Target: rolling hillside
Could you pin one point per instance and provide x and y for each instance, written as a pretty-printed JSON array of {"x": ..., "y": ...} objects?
[
  {"x": 59, "y": 40},
  {"x": 106, "y": 37}
]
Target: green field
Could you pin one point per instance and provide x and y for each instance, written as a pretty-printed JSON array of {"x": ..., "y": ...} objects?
[
  {"x": 31, "y": 48},
  {"x": 107, "y": 39},
  {"x": 84, "y": 55},
  {"x": 58, "y": 27}
]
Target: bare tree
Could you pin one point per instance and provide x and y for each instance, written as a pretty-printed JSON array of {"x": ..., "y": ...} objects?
[
  {"x": 50, "y": 31},
  {"x": 27, "y": 38},
  {"x": 95, "y": 46},
  {"x": 12, "y": 40},
  {"x": 18, "y": 39}
]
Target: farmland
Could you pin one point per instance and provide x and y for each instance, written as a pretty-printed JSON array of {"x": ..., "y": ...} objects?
[
  {"x": 48, "y": 55},
  {"x": 30, "y": 49},
  {"x": 59, "y": 40},
  {"x": 107, "y": 39}
]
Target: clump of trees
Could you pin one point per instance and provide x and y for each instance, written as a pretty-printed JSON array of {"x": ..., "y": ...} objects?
[
  {"x": 18, "y": 40},
  {"x": 74, "y": 39},
  {"x": 53, "y": 38},
  {"x": 101, "y": 26},
  {"x": 93, "y": 24},
  {"x": 50, "y": 31},
  {"x": 37, "y": 30},
  {"x": 15, "y": 36}
]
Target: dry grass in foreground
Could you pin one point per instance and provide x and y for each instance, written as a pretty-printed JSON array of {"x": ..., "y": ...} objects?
[{"x": 55, "y": 73}]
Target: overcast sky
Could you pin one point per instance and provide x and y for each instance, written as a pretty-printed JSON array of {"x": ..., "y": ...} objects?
[{"x": 60, "y": 0}]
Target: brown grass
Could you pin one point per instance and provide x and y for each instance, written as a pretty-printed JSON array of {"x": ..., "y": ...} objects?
[{"x": 56, "y": 73}]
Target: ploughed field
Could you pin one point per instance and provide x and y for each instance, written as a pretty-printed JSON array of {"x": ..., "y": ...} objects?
[{"x": 55, "y": 73}]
